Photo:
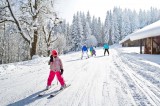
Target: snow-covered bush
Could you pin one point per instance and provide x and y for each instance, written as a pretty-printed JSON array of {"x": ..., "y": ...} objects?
[
  {"x": 35, "y": 57},
  {"x": 91, "y": 40}
]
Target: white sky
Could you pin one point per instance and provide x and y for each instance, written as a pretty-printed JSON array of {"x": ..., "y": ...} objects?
[{"x": 66, "y": 8}]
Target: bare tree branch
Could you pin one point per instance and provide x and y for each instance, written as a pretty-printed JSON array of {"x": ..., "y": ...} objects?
[
  {"x": 40, "y": 9},
  {"x": 54, "y": 40},
  {"x": 30, "y": 5},
  {"x": 3, "y": 7},
  {"x": 25, "y": 22},
  {"x": 44, "y": 35},
  {"x": 7, "y": 21},
  {"x": 44, "y": 30},
  {"x": 16, "y": 22},
  {"x": 50, "y": 34}
]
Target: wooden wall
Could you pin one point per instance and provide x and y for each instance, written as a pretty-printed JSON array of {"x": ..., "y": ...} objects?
[
  {"x": 152, "y": 45},
  {"x": 130, "y": 43}
]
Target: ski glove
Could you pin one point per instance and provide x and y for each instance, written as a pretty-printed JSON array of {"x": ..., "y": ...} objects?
[
  {"x": 62, "y": 71},
  {"x": 51, "y": 58}
]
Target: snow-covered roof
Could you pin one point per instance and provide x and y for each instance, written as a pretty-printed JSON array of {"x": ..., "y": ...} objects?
[
  {"x": 126, "y": 38},
  {"x": 151, "y": 30}
]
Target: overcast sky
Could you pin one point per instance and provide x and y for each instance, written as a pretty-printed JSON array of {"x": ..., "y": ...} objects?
[{"x": 66, "y": 8}]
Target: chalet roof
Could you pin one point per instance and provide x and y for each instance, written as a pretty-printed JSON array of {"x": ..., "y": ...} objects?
[
  {"x": 126, "y": 38},
  {"x": 151, "y": 30}
]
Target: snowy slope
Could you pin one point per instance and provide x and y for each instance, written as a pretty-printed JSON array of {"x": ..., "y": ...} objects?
[{"x": 125, "y": 78}]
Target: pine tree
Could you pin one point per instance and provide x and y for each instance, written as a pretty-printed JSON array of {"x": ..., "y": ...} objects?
[
  {"x": 99, "y": 31},
  {"x": 126, "y": 28}
]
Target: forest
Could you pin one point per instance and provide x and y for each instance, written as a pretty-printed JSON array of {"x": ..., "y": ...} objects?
[{"x": 32, "y": 28}]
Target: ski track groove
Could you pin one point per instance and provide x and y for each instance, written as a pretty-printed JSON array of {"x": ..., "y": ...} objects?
[
  {"x": 148, "y": 83},
  {"x": 88, "y": 94},
  {"x": 81, "y": 92},
  {"x": 143, "y": 87},
  {"x": 121, "y": 90},
  {"x": 139, "y": 98},
  {"x": 141, "y": 70}
]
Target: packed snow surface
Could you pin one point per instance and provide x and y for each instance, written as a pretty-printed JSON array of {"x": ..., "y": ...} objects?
[{"x": 124, "y": 78}]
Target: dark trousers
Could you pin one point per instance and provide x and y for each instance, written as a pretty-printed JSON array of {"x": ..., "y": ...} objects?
[{"x": 105, "y": 51}]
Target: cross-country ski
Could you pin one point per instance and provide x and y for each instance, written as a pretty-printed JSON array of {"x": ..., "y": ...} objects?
[
  {"x": 58, "y": 91},
  {"x": 45, "y": 91}
]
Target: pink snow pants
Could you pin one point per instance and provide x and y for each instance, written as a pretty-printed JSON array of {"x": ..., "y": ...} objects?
[{"x": 51, "y": 77}]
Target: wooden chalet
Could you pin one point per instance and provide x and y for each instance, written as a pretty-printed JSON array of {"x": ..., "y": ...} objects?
[{"x": 149, "y": 37}]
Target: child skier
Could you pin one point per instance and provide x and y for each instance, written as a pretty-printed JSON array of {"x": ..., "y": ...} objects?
[
  {"x": 56, "y": 68},
  {"x": 84, "y": 50},
  {"x": 92, "y": 51}
]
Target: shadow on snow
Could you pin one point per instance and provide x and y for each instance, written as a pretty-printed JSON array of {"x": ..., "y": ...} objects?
[{"x": 26, "y": 100}]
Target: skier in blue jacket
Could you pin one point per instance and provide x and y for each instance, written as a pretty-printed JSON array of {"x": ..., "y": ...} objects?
[
  {"x": 106, "y": 48},
  {"x": 84, "y": 50}
]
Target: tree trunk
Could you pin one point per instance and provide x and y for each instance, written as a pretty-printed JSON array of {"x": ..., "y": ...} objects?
[
  {"x": 48, "y": 52},
  {"x": 33, "y": 50}
]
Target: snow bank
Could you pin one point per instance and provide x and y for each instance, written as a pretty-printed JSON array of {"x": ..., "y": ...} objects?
[
  {"x": 9, "y": 68},
  {"x": 134, "y": 51},
  {"x": 35, "y": 57},
  {"x": 6, "y": 68}
]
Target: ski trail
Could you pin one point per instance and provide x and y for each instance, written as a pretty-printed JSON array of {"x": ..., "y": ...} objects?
[
  {"x": 139, "y": 83},
  {"x": 116, "y": 80},
  {"x": 93, "y": 93},
  {"x": 82, "y": 87},
  {"x": 116, "y": 90}
]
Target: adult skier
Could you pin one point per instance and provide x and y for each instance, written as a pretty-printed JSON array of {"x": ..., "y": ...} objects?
[{"x": 106, "y": 48}]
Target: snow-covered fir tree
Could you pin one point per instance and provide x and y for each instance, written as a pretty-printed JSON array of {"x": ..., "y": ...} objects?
[
  {"x": 107, "y": 28},
  {"x": 126, "y": 24},
  {"x": 99, "y": 31},
  {"x": 88, "y": 18},
  {"x": 115, "y": 27}
]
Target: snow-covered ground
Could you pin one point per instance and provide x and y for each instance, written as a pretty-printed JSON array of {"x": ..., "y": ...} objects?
[{"x": 125, "y": 78}]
